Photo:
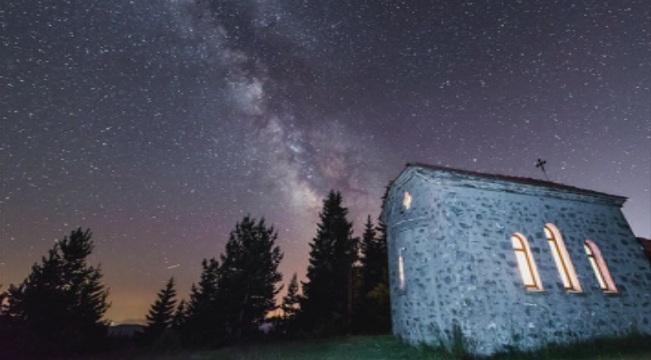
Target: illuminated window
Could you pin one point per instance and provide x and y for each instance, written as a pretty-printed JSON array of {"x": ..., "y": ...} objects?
[
  {"x": 406, "y": 200},
  {"x": 401, "y": 270},
  {"x": 600, "y": 268},
  {"x": 526, "y": 265},
  {"x": 562, "y": 259}
]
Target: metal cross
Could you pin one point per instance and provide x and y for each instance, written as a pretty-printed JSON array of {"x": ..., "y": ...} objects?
[{"x": 541, "y": 164}]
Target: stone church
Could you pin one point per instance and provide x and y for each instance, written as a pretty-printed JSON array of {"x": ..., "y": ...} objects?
[{"x": 500, "y": 262}]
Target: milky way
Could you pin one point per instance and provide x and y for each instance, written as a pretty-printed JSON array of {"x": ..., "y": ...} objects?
[{"x": 160, "y": 123}]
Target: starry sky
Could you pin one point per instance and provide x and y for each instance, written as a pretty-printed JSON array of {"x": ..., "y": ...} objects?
[{"x": 160, "y": 123}]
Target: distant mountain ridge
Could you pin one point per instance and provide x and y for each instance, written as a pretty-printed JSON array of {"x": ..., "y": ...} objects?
[{"x": 125, "y": 330}]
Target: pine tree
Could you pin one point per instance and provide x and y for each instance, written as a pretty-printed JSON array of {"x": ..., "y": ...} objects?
[
  {"x": 3, "y": 296},
  {"x": 7, "y": 343},
  {"x": 3, "y": 305},
  {"x": 290, "y": 306},
  {"x": 373, "y": 305},
  {"x": 368, "y": 256},
  {"x": 249, "y": 277},
  {"x": 161, "y": 311},
  {"x": 60, "y": 305},
  {"x": 379, "y": 294},
  {"x": 291, "y": 301},
  {"x": 204, "y": 319},
  {"x": 180, "y": 316},
  {"x": 327, "y": 303}
]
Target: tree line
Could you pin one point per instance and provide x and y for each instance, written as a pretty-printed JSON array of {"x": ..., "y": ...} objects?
[{"x": 60, "y": 306}]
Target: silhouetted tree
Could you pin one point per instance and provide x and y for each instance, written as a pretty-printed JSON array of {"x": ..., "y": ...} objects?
[
  {"x": 249, "y": 277},
  {"x": 369, "y": 257},
  {"x": 7, "y": 342},
  {"x": 378, "y": 296},
  {"x": 161, "y": 312},
  {"x": 180, "y": 315},
  {"x": 327, "y": 294},
  {"x": 291, "y": 301},
  {"x": 59, "y": 307},
  {"x": 373, "y": 313},
  {"x": 291, "y": 306},
  {"x": 3, "y": 304},
  {"x": 204, "y": 320}
]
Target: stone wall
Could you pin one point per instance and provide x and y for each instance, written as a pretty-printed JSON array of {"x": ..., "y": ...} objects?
[{"x": 461, "y": 271}]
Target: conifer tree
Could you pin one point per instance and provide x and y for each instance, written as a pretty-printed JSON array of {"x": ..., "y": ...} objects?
[
  {"x": 290, "y": 306},
  {"x": 373, "y": 306},
  {"x": 161, "y": 312},
  {"x": 249, "y": 277},
  {"x": 291, "y": 301},
  {"x": 368, "y": 256},
  {"x": 180, "y": 315},
  {"x": 204, "y": 319},
  {"x": 3, "y": 305},
  {"x": 3, "y": 296},
  {"x": 327, "y": 294},
  {"x": 7, "y": 345},
  {"x": 379, "y": 294},
  {"x": 60, "y": 305}
]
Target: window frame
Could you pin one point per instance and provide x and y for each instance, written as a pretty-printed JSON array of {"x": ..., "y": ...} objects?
[
  {"x": 407, "y": 200},
  {"x": 531, "y": 267},
  {"x": 562, "y": 259},
  {"x": 402, "y": 280},
  {"x": 599, "y": 267}
]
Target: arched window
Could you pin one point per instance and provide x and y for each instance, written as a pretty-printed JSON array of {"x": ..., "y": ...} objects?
[
  {"x": 526, "y": 265},
  {"x": 562, "y": 259},
  {"x": 600, "y": 268},
  {"x": 406, "y": 200}
]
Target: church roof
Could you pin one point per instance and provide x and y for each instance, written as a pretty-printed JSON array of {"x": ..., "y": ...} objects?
[{"x": 519, "y": 180}]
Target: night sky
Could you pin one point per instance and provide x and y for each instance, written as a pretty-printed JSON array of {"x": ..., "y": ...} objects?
[{"x": 160, "y": 123}]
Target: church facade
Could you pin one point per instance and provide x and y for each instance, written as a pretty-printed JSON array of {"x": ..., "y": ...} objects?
[{"x": 498, "y": 262}]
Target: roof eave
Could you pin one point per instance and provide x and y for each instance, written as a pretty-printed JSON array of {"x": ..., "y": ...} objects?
[{"x": 549, "y": 185}]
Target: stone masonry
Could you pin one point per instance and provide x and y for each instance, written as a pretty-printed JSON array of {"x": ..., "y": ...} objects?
[{"x": 460, "y": 270}]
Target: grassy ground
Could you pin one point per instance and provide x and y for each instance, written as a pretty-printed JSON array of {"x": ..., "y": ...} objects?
[
  {"x": 633, "y": 347},
  {"x": 387, "y": 347}
]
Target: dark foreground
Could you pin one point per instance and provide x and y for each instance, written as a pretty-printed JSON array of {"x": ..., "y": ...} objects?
[{"x": 387, "y": 347}]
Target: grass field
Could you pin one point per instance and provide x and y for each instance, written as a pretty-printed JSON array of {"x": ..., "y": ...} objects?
[{"x": 387, "y": 347}]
